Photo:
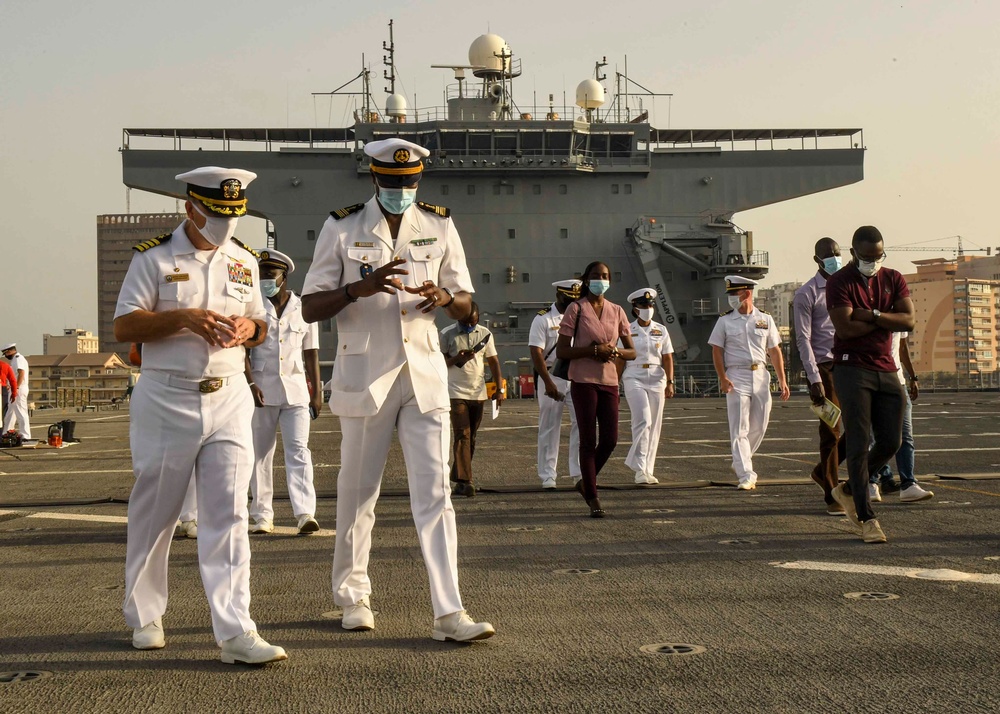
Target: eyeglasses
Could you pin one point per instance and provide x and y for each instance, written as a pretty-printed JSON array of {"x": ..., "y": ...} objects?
[{"x": 876, "y": 259}]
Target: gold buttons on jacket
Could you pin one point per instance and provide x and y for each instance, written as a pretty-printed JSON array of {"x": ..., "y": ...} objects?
[{"x": 402, "y": 312}]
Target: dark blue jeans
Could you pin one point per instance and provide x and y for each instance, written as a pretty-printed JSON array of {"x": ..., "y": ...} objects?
[
  {"x": 872, "y": 404},
  {"x": 905, "y": 455}
]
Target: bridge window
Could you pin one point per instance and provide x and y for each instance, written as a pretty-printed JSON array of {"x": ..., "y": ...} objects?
[
  {"x": 537, "y": 190},
  {"x": 444, "y": 189},
  {"x": 564, "y": 233},
  {"x": 486, "y": 278},
  {"x": 471, "y": 189},
  {"x": 525, "y": 278},
  {"x": 614, "y": 188},
  {"x": 310, "y": 235},
  {"x": 563, "y": 189},
  {"x": 511, "y": 233},
  {"x": 628, "y": 188}
]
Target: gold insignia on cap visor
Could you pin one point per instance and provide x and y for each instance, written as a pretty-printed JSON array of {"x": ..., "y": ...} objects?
[
  {"x": 401, "y": 156},
  {"x": 231, "y": 189}
]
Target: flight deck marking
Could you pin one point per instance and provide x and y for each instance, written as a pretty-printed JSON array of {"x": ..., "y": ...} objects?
[
  {"x": 919, "y": 573},
  {"x": 938, "y": 484},
  {"x": 79, "y": 517}
]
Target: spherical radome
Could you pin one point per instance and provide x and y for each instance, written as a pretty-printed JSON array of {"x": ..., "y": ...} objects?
[
  {"x": 589, "y": 94},
  {"x": 395, "y": 105},
  {"x": 483, "y": 53}
]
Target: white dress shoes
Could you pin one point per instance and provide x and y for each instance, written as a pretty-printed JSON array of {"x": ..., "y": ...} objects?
[
  {"x": 149, "y": 637},
  {"x": 549, "y": 484},
  {"x": 262, "y": 526},
  {"x": 186, "y": 529},
  {"x": 358, "y": 616},
  {"x": 651, "y": 479},
  {"x": 308, "y": 524},
  {"x": 251, "y": 648},
  {"x": 459, "y": 627},
  {"x": 914, "y": 493}
]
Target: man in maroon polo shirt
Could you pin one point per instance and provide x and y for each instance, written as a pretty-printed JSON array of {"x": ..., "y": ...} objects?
[{"x": 867, "y": 303}]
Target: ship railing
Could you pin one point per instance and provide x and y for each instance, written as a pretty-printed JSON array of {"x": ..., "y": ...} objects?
[
  {"x": 706, "y": 307},
  {"x": 725, "y": 259}
]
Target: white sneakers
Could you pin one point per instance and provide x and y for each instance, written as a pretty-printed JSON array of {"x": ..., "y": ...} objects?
[
  {"x": 149, "y": 637},
  {"x": 914, "y": 493},
  {"x": 459, "y": 627},
  {"x": 186, "y": 529},
  {"x": 251, "y": 648},
  {"x": 358, "y": 616},
  {"x": 871, "y": 532},
  {"x": 548, "y": 484},
  {"x": 746, "y": 485},
  {"x": 308, "y": 524},
  {"x": 874, "y": 493},
  {"x": 262, "y": 526},
  {"x": 644, "y": 479}
]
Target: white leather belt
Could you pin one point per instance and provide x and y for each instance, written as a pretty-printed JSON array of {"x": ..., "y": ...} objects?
[
  {"x": 205, "y": 386},
  {"x": 753, "y": 367}
]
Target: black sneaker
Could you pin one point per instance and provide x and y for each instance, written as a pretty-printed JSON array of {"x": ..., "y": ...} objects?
[{"x": 463, "y": 488}]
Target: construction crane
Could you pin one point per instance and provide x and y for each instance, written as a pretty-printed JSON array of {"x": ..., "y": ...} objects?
[{"x": 957, "y": 249}]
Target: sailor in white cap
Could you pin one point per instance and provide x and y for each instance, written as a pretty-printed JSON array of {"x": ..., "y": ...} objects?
[
  {"x": 278, "y": 371},
  {"x": 17, "y": 410},
  {"x": 647, "y": 380},
  {"x": 542, "y": 345},
  {"x": 383, "y": 268},
  {"x": 742, "y": 340},
  {"x": 192, "y": 298}
]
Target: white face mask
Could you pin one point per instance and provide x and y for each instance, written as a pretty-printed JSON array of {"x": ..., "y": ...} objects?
[
  {"x": 645, "y": 313},
  {"x": 216, "y": 230},
  {"x": 868, "y": 268},
  {"x": 734, "y": 301}
]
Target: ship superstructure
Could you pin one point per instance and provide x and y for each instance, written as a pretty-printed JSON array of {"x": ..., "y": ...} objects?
[{"x": 535, "y": 198}]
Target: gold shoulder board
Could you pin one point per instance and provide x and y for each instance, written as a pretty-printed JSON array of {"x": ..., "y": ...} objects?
[
  {"x": 431, "y": 208},
  {"x": 345, "y": 212},
  {"x": 152, "y": 242},
  {"x": 245, "y": 247},
  {"x": 723, "y": 314},
  {"x": 542, "y": 312}
]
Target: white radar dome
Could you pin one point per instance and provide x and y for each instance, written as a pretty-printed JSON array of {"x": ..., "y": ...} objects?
[
  {"x": 483, "y": 53},
  {"x": 589, "y": 94},
  {"x": 395, "y": 105}
]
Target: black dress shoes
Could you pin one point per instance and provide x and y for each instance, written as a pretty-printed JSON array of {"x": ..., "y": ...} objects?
[{"x": 595, "y": 508}]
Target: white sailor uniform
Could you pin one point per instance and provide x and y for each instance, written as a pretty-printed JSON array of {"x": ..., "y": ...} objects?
[
  {"x": 390, "y": 373},
  {"x": 544, "y": 334},
  {"x": 278, "y": 371},
  {"x": 745, "y": 340},
  {"x": 17, "y": 411},
  {"x": 191, "y": 411},
  {"x": 645, "y": 382}
]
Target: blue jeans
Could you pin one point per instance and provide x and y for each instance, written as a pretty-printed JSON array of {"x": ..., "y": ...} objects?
[{"x": 904, "y": 456}]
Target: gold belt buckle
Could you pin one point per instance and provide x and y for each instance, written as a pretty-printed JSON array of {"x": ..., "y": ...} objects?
[
  {"x": 646, "y": 366},
  {"x": 753, "y": 367},
  {"x": 207, "y": 386}
]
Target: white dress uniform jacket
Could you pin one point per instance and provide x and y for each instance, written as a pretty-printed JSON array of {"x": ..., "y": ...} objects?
[
  {"x": 176, "y": 429},
  {"x": 544, "y": 334},
  {"x": 377, "y": 335},
  {"x": 745, "y": 340},
  {"x": 18, "y": 410},
  {"x": 277, "y": 368},
  {"x": 390, "y": 374},
  {"x": 645, "y": 381}
]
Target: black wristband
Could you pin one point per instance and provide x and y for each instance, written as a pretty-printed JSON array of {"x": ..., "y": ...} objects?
[{"x": 347, "y": 294}]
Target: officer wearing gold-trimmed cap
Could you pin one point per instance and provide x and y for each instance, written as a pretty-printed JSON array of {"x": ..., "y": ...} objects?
[
  {"x": 742, "y": 340},
  {"x": 382, "y": 268},
  {"x": 277, "y": 371},
  {"x": 542, "y": 340},
  {"x": 192, "y": 298},
  {"x": 647, "y": 381}
]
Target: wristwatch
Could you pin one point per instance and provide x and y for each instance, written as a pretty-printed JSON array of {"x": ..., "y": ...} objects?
[
  {"x": 876, "y": 314},
  {"x": 451, "y": 297},
  {"x": 670, "y": 381},
  {"x": 256, "y": 332}
]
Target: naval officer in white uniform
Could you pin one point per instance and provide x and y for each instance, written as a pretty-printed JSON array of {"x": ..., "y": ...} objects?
[
  {"x": 192, "y": 299},
  {"x": 383, "y": 268},
  {"x": 278, "y": 369},
  {"x": 742, "y": 340},
  {"x": 17, "y": 410},
  {"x": 647, "y": 380},
  {"x": 542, "y": 344}
]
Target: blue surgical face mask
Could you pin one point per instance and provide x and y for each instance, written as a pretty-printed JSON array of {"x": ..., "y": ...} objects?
[
  {"x": 599, "y": 287},
  {"x": 269, "y": 287},
  {"x": 466, "y": 329},
  {"x": 396, "y": 200},
  {"x": 832, "y": 264}
]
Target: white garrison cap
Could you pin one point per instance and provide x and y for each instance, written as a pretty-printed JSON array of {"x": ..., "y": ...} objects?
[
  {"x": 10, "y": 346},
  {"x": 222, "y": 191},
  {"x": 396, "y": 157},
  {"x": 644, "y": 294},
  {"x": 275, "y": 258},
  {"x": 735, "y": 283},
  {"x": 568, "y": 287}
]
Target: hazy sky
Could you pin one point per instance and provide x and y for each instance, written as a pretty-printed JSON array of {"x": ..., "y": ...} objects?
[{"x": 921, "y": 79}]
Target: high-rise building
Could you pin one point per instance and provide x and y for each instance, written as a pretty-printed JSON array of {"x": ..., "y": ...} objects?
[
  {"x": 957, "y": 309},
  {"x": 777, "y": 301},
  {"x": 116, "y": 234},
  {"x": 72, "y": 341}
]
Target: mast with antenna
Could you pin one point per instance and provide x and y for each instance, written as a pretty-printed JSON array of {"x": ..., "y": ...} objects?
[{"x": 389, "y": 61}]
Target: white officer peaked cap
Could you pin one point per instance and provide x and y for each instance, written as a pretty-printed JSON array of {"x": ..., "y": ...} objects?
[
  {"x": 270, "y": 257},
  {"x": 735, "y": 283},
  {"x": 396, "y": 157},
  {"x": 644, "y": 294},
  {"x": 11, "y": 346},
  {"x": 568, "y": 287},
  {"x": 221, "y": 191}
]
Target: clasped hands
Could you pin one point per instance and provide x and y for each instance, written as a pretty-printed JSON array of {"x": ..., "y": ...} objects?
[
  {"x": 385, "y": 280},
  {"x": 605, "y": 352},
  {"x": 217, "y": 329}
]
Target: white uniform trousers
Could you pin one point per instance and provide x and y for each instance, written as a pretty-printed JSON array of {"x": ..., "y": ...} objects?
[
  {"x": 550, "y": 412},
  {"x": 363, "y": 451},
  {"x": 749, "y": 407},
  {"x": 173, "y": 433},
  {"x": 18, "y": 411},
  {"x": 294, "y": 422},
  {"x": 645, "y": 401},
  {"x": 189, "y": 509}
]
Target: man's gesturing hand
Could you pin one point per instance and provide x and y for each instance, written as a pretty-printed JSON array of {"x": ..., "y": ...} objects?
[
  {"x": 380, "y": 280},
  {"x": 432, "y": 295}
]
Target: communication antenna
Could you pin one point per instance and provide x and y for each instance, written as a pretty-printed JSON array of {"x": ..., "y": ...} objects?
[{"x": 389, "y": 61}]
